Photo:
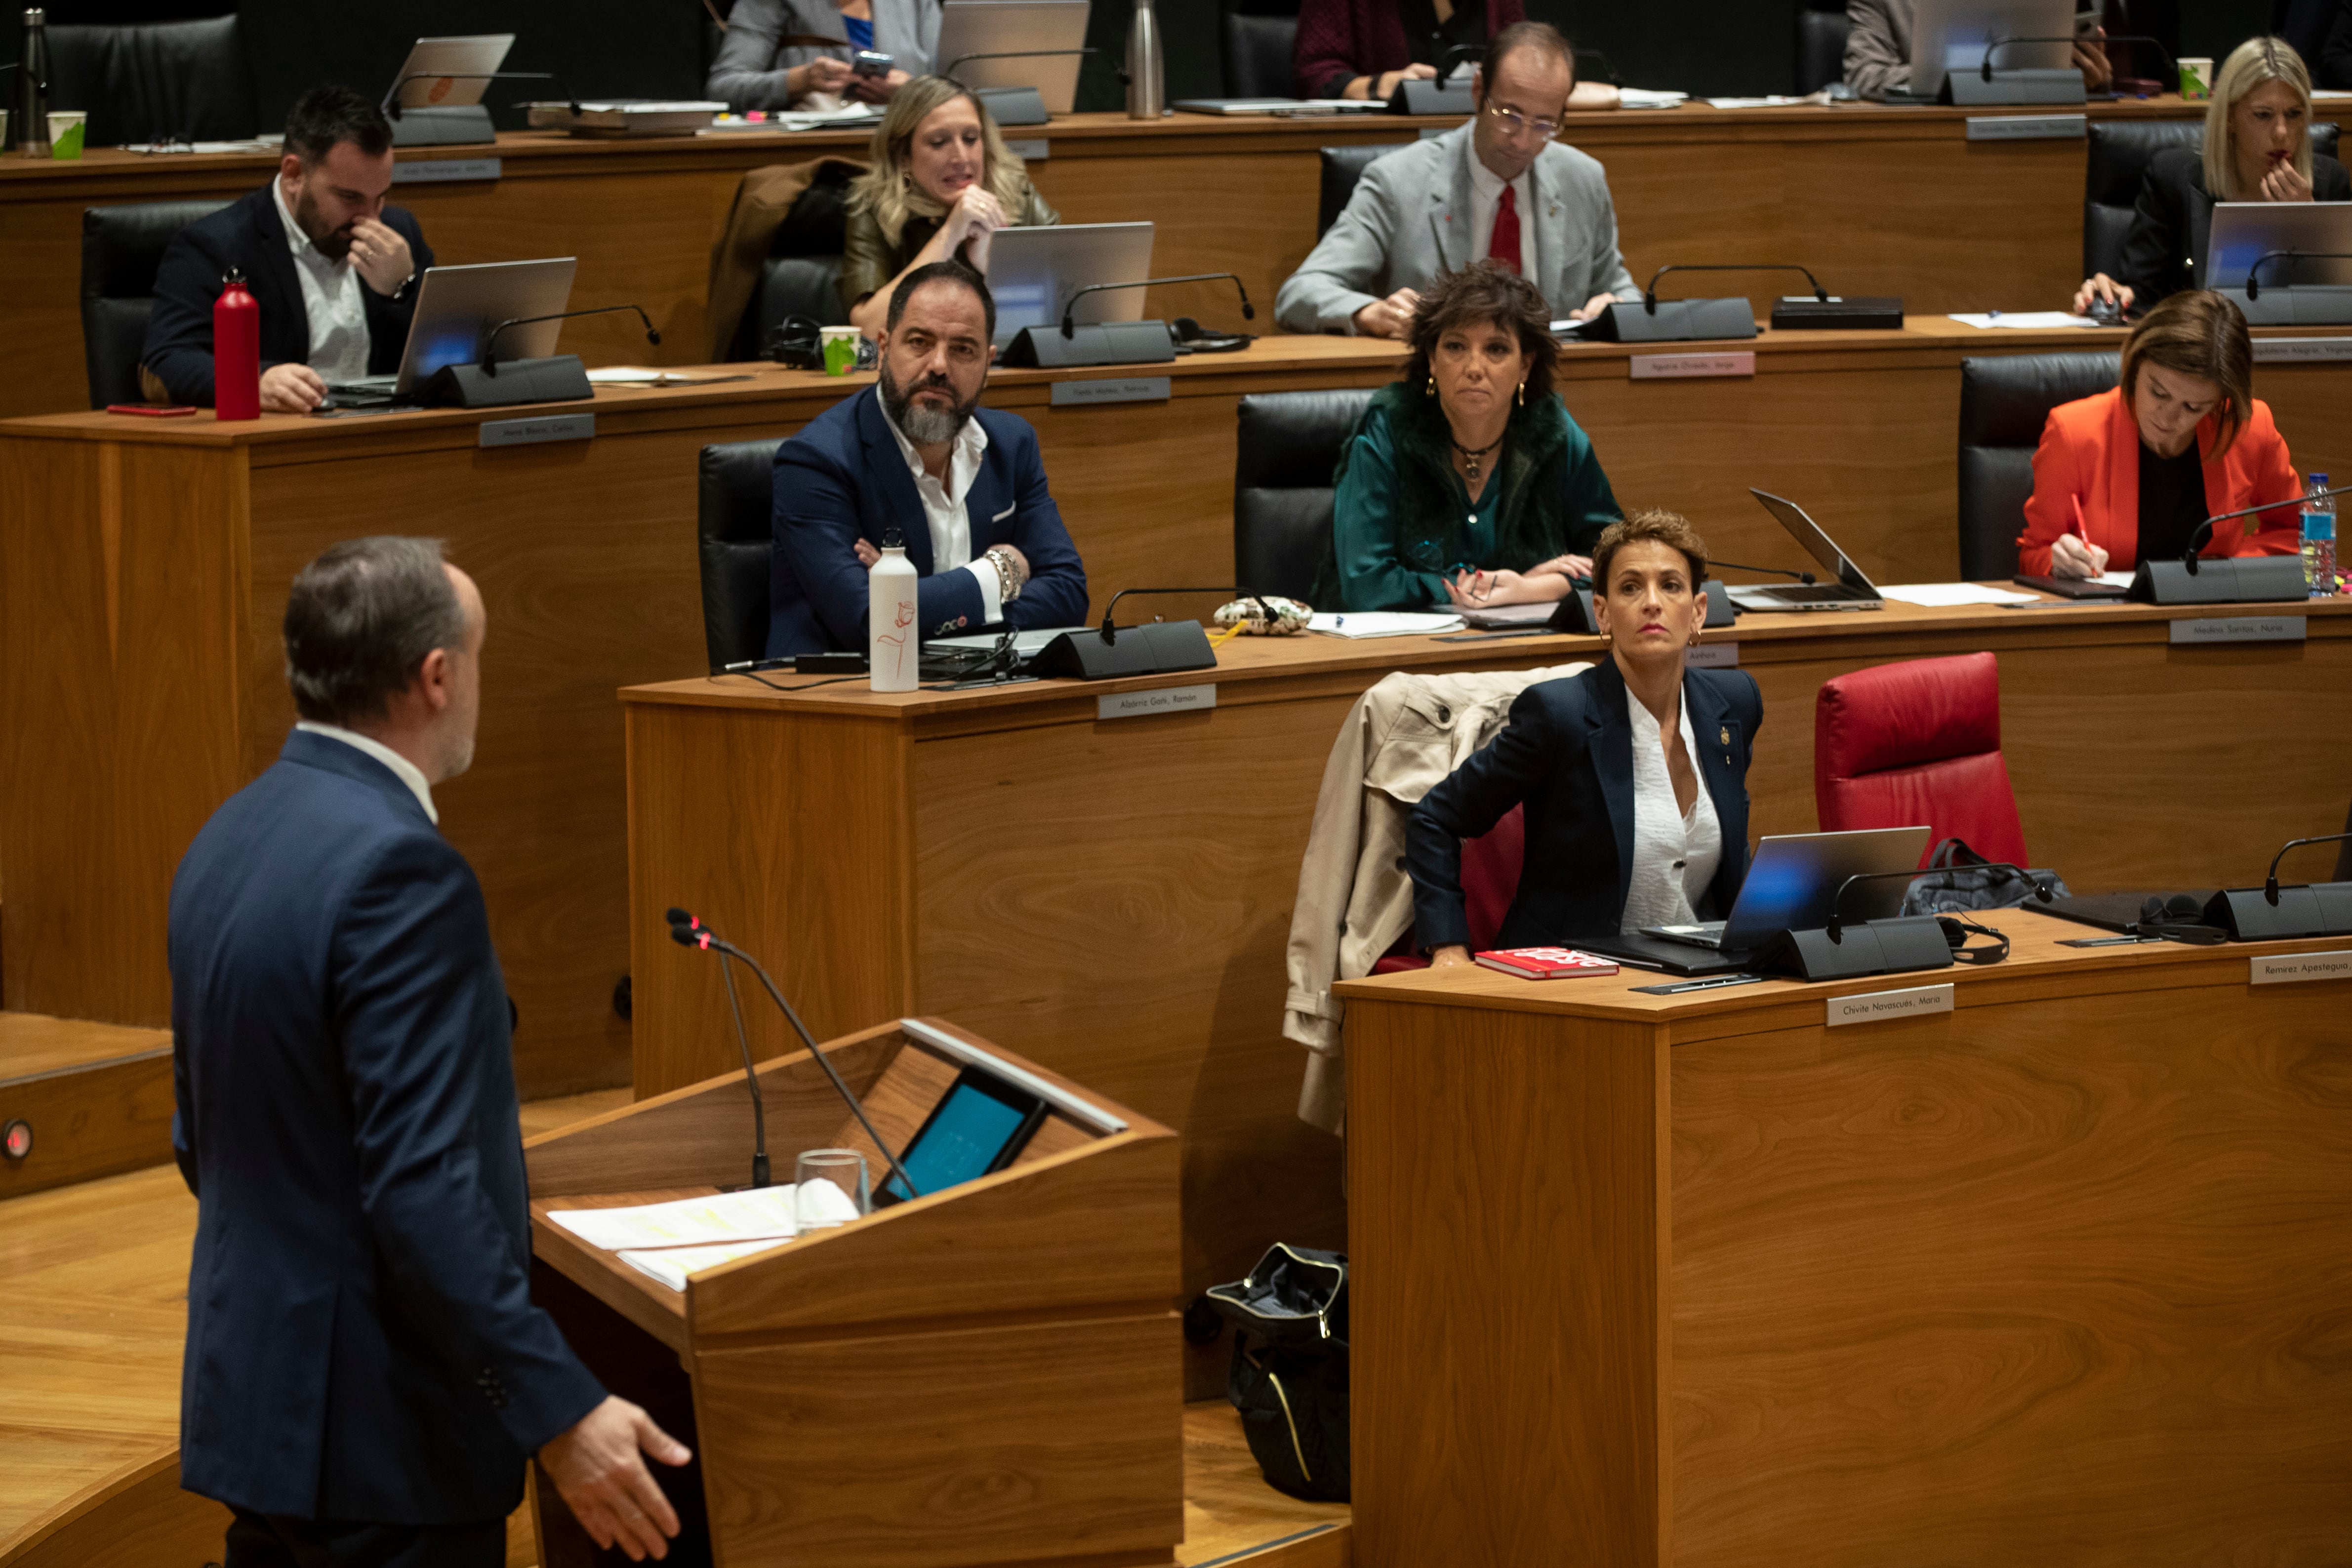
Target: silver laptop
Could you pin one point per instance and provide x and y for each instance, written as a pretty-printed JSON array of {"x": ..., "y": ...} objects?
[
  {"x": 2245, "y": 232},
  {"x": 457, "y": 306},
  {"x": 473, "y": 57},
  {"x": 1044, "y": 35},
  {"x": 1953, "y": 35},
  {"x": 1849, "y": 590},
  {"x": 1034, "y": 273},
  {"x": 1794, "y": 879}
]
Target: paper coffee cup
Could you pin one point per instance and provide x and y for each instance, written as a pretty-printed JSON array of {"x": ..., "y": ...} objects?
[
  {"x": 840, "y": 349},
  {"x": 2196, "y": 75},
  {"x": 66, "y": 127}
]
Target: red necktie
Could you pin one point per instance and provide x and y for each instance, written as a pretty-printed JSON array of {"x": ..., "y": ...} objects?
[{"x": 1505, "y": 247}]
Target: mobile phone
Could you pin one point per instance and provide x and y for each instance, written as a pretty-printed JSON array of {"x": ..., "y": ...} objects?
[
  {"x": 153, "y": 409},
  {"x": 872, "y": 63}
]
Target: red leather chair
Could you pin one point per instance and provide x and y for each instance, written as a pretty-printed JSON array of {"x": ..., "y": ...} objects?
[
  {"x": 1490, "y": 879},
  {"x": 1918, "y": 742}
]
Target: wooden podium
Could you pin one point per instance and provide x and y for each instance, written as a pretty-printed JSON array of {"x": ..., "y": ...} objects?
[{"x": 986, "y": 1376}]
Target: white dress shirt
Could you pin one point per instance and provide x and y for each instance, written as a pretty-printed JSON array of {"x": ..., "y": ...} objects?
[
  {"x": 331, "y": 298},
  {"x": 1675, "y": 854},
  {"x": 1485, "y": 193},
  {"x": 407, "y": 772},
  {"x": 943, "y": 509}
]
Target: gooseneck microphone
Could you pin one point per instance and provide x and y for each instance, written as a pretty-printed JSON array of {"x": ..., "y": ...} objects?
[
  {"x": 490, "y": 339},
  {"x": 689, "y": 932},
  {"x": 1650, "y": 291},
  {"x": 1836, "y": 925},
  {"x": 1110, "y": 630},
  {"x": 393, "y": 106},
  {"x": 1804, "y": 577},
  {"x": 1070, "y": 317},
  {"x": 1984, "y": 67},
  {"x": 2253, "y": 278},
  {"x": 2271, "y": 883},
  {"x": 685, "y": 931},
  {"x": 2204, "y": 531}
]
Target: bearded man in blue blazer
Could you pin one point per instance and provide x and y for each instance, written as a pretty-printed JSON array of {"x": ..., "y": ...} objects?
[
  {"x": 914, "y": 459},
  {"x": 365, "y": 1371}
]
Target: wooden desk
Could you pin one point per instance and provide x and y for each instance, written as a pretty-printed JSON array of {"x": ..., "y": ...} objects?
[
  {"x": 1115, "y": 894},
  {"x": 2057, "y": 1274},
  {"x": 1876, "y": 199}
]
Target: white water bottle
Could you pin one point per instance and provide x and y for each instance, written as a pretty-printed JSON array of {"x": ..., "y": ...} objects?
[{"x": 893, "y": 643}]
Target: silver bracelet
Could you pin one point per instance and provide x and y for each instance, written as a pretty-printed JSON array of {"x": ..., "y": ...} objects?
[{"x": 1009, "y": 580}]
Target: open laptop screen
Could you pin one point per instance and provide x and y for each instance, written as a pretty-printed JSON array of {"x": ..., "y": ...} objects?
[{"x": 1823, "y": 549}]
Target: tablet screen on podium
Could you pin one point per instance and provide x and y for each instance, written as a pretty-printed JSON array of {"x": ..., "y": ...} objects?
[{"x": 980, "y": 1126}]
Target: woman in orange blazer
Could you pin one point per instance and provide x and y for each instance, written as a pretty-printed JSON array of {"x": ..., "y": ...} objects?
[{"x": 2129, "y": 474}]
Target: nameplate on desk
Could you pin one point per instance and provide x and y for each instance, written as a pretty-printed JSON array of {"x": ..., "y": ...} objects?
[
  {"x": 1168, "y": 699},
  {"x": 2239, "y": 629},
  {"x": 1030, "y": 150},
  {"x": 2292, "y": 351},
  {"x": 1712, "y": 656},
  {"x": 2287, "y": 968},
  {"x": 544, "y": 427},
  {"x": 431, "y": 171},
  {"x": 1682, "y": 367},
  {"x": 1118, "y": 389},
  {"x": 2028, "y": 127},
  {"x": 1874, "y": 1006}
]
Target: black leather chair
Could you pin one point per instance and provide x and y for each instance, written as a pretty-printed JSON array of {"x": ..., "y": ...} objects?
[
  {"x": 1341, "y": 168},
  {"x": 120, "y": 249},
  {"x": 155, "y": 80},
  {"x": 2004, "y": 401},
  {"x": 2120, "y": 152},
  {"x": 734, "y": 508},
  {"x": 1289, "y": 444},
  {"x": 1821, "y": 49},
  {"x": 1257, "y": 55},
  {"x": 802, "y": 275}
]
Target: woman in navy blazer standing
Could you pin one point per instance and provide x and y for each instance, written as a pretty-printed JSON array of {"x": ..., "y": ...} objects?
[{"x": 1633, "y": 774}]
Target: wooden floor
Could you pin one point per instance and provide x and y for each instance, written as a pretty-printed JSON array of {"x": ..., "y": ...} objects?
[{"x": 95, "y": 1278}]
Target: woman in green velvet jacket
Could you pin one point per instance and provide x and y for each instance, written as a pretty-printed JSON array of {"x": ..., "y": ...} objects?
[{"x": 1467, "y": 486}]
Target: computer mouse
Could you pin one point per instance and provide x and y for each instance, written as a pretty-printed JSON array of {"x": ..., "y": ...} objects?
[{"x": 2106, "y": 313}]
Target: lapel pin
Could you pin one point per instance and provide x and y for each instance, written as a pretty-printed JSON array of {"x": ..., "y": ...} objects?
[{"x": 1725, "y": 734}]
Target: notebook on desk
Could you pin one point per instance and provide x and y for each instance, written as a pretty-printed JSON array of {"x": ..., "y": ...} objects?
[{"x": 2107, "y": 585}]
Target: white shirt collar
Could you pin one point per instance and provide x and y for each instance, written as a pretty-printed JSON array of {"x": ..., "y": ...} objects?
[
  {"x": 407, "y": 772},
  {"x": 963, "y": 457}
]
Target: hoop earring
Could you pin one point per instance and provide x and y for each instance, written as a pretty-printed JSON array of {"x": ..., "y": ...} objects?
[
  {"x": 1694, "y": 640},
  {"x": 1523, "y": 395},
  {"x": 1433, "y": 385}
]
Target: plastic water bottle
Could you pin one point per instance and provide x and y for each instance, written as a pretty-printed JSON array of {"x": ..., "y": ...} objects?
[
  {"x": 893, "y": 642},
  {"x": 2319, "y": 540}
]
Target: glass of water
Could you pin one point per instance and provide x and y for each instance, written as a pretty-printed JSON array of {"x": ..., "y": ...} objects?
[{"x": 829, "y": 1188}]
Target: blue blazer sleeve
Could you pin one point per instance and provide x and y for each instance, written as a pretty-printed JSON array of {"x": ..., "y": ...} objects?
[
  {"x": 1502, "y": 774},
  {"x": 1056, "y": 591},
  {"x": 410, "y": 1013}
]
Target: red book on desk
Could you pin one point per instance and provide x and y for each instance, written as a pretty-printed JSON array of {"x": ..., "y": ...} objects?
[{"x": 1546, "y": 963}]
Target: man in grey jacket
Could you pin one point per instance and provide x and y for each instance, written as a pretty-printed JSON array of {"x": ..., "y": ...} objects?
[{"x": 1498, "y": 187}]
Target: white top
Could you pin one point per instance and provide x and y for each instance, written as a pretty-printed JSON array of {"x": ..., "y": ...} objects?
[
  {"x": 1485, "y": 193},
  {"x": 1675, "y": 855},
  {"x": 944, "y": 513},
  {"x": 407, "y": 772},
  {"x": 330, "y": 298}
]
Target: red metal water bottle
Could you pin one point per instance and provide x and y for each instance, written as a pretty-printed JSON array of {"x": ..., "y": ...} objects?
[{"x": 236, "y": 351}]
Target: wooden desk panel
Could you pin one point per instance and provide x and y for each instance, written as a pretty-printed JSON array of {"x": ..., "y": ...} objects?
[
  {"x": 1876, "y": 199},
  {"x": 2054, "y": 1271}
]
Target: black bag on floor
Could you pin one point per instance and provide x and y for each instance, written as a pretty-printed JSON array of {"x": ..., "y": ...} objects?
[{"x": 1289, "y": 1376}]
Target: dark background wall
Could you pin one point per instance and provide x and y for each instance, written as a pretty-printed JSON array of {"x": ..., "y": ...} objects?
[{"x": 657, "y": 47}]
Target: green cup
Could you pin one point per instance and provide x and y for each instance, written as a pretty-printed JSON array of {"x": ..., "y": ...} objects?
[
  {"x": 65, "y": 128},
  {"x": 840, "y": 350}
]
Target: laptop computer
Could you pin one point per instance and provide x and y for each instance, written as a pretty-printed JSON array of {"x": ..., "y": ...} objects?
[
  {"x": 1039, "y": 43},
  {"x": 1033, "y": 272},
  {"x": 1850, "y": 591},
  {"x": 455, "y": 306},
  {"x": 1953, "y": 35},
  {"x": 1790, "y": 885}
]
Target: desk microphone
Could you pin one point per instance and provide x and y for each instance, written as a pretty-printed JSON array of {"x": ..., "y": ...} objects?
[
  {"x": 1069, "y": 323},
  {"x": 1984, "y": 67},
  {"x": 1650, "y": 291},
  {"x": 392, "y": 105},
  {"x": 1005, "y": 55},
  {"x": 1836, "y": 925},
  {"x": 2271, "y": 883},
  {"x": 689, "y": 932},
  {"x": 489, "y": 341},
  {"x": 2204, "y": 531},
  {"x": 1804, "y": 577},
  {"x": 2253, "y": 282},
  {"x": 1110, "y": 630}
]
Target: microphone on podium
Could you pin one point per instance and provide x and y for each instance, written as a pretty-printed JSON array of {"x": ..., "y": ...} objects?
[{"x": 687, "y": 931}]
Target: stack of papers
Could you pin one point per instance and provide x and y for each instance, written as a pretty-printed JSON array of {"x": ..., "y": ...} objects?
[
  {"x": 1946, "y": 594},
  {"x": 670, "y": 1241},
  {"x": 671, "y": 1265},
  {"x": 1386, "y": 624},
  {"x": 2024, "y": 320},
  {"x": 1642, "y": 97}
]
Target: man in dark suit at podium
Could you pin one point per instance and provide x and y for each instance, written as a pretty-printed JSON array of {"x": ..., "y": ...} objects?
[{"x": 365, "y": 1373}]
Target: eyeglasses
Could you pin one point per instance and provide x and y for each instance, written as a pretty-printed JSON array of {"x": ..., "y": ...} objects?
[{"x": 1514, "y": 123}]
